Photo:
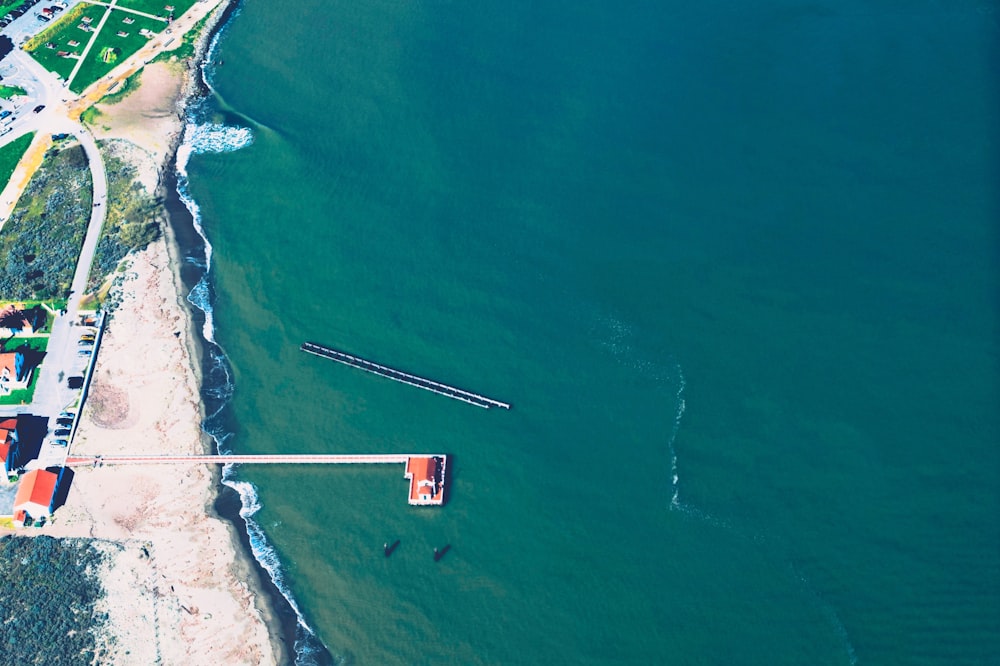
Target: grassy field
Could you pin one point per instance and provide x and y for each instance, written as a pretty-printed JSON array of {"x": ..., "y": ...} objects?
[
  {"x": 59, "y": 36},
  {"x": 8, "y": 6},
  {"x": 53, "y": 304},
  {"x": 38, "y": 344},
  {"x": 158, "y": 7},
  {"x": 110, "y": 48},
  {"x": 6, "y": 92},
  {"x": 10, "y": 155},
  {"x": 94, "y": 67}
]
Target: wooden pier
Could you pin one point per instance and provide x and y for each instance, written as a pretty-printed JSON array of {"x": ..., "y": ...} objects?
[
  {"x": 425, "y": 472},
  {"x": 402, "y": 377}
]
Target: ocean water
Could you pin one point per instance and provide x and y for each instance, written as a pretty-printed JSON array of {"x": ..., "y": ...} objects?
[{"x": 734, "y": 264}]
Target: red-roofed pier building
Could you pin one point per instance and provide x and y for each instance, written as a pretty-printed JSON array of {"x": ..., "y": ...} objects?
[{"x": 426, "y": 475}]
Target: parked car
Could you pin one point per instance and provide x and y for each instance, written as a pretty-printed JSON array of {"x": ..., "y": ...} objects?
[
  {"x": 61, "y": 442},
  {"x": 65, "y": 421},
  {"x": 39, "y": 108},
  {"x": 75, "y": 382},
  {"x": 62, "y": 432}
]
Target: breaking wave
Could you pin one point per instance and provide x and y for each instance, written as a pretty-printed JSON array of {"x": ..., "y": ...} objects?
[
  {"x": 202, "y": 137},
  {"x": 617, "y": 339}
]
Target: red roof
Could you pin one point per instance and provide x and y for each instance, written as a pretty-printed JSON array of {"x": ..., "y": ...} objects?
[
  {"x": 421, "y": 473},
  {"x": 7, "y": 360},
  {"x": 9, "y": 424},
  {"x": 36, "y": 487},
  {"x": 6, "y": 438}
]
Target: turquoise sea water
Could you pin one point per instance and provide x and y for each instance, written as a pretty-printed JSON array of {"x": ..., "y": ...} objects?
[{"x": 735, "y": 265}]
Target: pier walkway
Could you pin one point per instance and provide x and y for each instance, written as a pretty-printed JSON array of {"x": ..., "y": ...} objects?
[
  {"x": 402, "y": 377},
  {"x": 227, "y": 459},
  {"x": 425, "y": 471}
]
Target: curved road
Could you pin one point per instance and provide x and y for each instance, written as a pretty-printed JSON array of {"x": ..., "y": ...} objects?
[{"x": 59, "y": 115}]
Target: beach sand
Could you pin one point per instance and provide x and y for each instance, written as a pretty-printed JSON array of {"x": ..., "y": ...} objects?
[
  {"x": 180, "y": 588},
  {"x": 196, "y": 592}
]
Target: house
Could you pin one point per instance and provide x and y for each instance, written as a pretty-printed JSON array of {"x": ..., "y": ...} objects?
[
  {"x": 15, "y": 319},
  {"x": 426, "y": 475},
  {"x": 73, "y": 42},
  {"x": 35, "y": 496},
  {"x": 128, "y": 20},
  {"x": 8, "y": 438},
  {"x": 13, "y": 373},
  {"x": 122, "y": 33}
]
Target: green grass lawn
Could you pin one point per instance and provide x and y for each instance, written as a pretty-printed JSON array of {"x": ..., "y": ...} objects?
[
  {"x": 60, "y": 35},
  {"x": 109, "y": 49},
  {"x": 26, "y": 395},
  {"x": 94, "y": 67},
  {"x": 7, "y": 6},
  {"x": 157, "y": 7},
  {"x": 10, "y": 155},
  {"x": 6, "y": 92},
  {"x": 51, "y": 305}
]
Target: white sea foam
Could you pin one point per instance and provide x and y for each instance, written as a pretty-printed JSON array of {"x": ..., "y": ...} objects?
[
  {"x": 200, "y": 138},
  {"x": 618, "y": 340},
  {"x": 831, "y": 614},
  {"x": 675, "y": 478}
]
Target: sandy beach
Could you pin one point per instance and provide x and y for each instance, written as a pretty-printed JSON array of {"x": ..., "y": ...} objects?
[{"x": 180, "y": 588}]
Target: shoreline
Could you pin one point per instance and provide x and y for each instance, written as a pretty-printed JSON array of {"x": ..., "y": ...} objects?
[
  {"x": 197, "y": 592},
  {"x": 190, "y": 264}
]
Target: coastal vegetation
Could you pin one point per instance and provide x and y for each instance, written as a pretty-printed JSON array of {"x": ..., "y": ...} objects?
[
  {"x": 48, "y": 592},
  {"x": 132, "y": 218},
  {"x": 90, "y": 116},
  {"x": 186, "y": 48},
  {"x": 11, "y": 154},
  {"x": 40, "y": 243},
  {"x": 124, "y": 89}
]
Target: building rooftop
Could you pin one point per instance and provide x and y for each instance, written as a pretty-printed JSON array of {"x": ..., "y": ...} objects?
[
  {"x": 427, "y": 476},
  {"x": 37, "y": 487}
]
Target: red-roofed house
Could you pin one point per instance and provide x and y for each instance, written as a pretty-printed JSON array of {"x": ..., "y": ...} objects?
[
  {"x": 8, "y": 435},
  {"x": 12, "y": 372},
  {"x": 426, "y": 477},
  {"x": 35, "y": 496},
  {"x": 16, "y": 319}
]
